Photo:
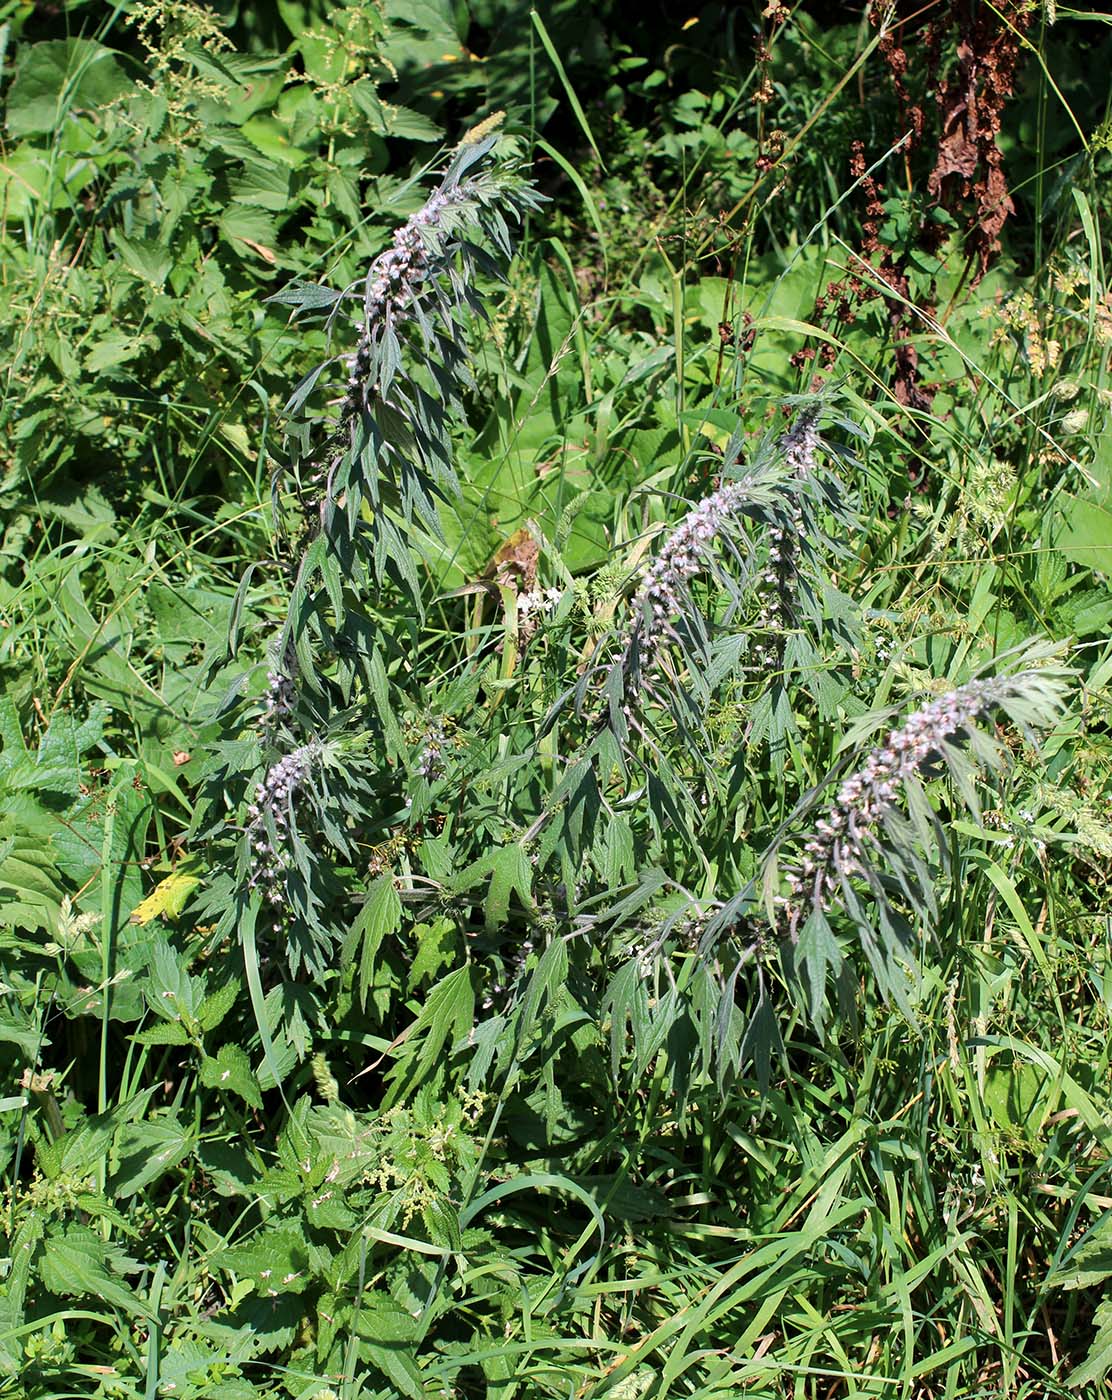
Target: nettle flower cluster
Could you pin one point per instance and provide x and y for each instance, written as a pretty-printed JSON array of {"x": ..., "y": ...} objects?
[
  {"x": 840, "y": 846},
  {"x": 271, "y": 825}
]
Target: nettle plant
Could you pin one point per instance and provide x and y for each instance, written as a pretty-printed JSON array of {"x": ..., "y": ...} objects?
[{"x": 648, "y": 854}]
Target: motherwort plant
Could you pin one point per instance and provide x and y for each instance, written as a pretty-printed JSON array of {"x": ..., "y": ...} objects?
[
  {"x": 876, "y": 860},
  {"x": 739, "y": 594},
  {"x": 379, "y": 460},
  {"x": 304, "y": 782},
  {"x": 862, "y": 828},
  {"x": 763, "y": 541}
]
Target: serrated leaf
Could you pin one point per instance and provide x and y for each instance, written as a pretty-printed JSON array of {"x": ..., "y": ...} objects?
[
  {"x": 275, "y": 1259},
  {"x": 267, "y": 186},
  {"x": 1098, "y": 1362},
  {"x": 165, "y": 1033},
  {"x": 307, "y": 296},
  {"x": 148, "y": 260},
  {"x": 218, "y": 1003},
  {"x": 435, "y": 948},
  {"x": 78, "y": 1152},
  {"x": 445, "y": 1017},
  {"x": 231, "y": 1071},
  {"x": 1090, "y": 1262},
  {"x": 75, "y": 1264},
  {"x": 239, "y": 223},
  {"x": 388, "y": 1336},
  {"x": 510, "y": 872},
  {"x": 147, "y": 1151}
]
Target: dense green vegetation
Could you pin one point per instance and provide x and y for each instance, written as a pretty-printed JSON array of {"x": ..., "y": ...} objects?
[{"x": 555, "y": 776}]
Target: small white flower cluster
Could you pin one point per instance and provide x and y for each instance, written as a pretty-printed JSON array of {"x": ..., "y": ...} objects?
[
  {"x": 541, "y": 602},
  {"x": 274, "y": 798},
  {"x": 836, "y": 849},
  {"x": 395, "y": 278},
  {"x": 534, "y": 607}
]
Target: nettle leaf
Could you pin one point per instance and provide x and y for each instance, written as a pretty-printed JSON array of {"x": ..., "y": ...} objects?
[
  {"x": 388, "y": 1340},
  {"x": 188, "y": 1368},
  {"x": 268, "y": 186},
  {"x": 219, "y": 1003},
  {"x": 60, "y": 76},
  {"x": 75, "y": 1264},
  {"x": 1089, "y": 1262},
  {"x": 380, "y": 917},
  {"x": 147, "y": 1151},
  {"x": 166, "y": 1033},
  {"x": 1098, "y": 1362},
  {"x": 79, "y": 1152},
  {"x": 172, "y": 994},
  {"x": 253, "y": 227},
  {"x": 231, "y": 1071},
  {"x": 275, "y": 1259}
]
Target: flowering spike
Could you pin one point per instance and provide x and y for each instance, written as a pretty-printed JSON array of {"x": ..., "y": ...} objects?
[{"x": 839, "y": 847}]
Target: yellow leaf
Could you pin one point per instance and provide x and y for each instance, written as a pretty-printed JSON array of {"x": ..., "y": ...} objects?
[{"x": 167, "y": 899}]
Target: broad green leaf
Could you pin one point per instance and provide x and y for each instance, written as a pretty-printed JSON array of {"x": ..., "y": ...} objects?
[
  {"x": 1098, "y": 1362},
  {"x": 510, "y": 872},
  {"x": 57, "y": 77},
  {"x": 168, "y": 898},
  {"x": 276, "y": 1259},
  {"x": 231, "y": 1071},
  {"x": 146, "y": 1151},
  {"x": 1089, "y": 1263},
  {"x": 75, "y": 1264}
]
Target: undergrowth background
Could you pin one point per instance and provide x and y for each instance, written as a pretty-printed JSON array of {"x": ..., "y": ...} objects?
[{"x": 454, "y": 939}]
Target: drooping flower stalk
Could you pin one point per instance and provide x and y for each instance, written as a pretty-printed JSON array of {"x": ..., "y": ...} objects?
[
  {"x": 278, "y": 700},
  {"x": 389, "y": 437},
  {"x": 851, "y": 830},
  {"x": 271, "y": 823},
  {"x": 430, "y": 761},
  {"x": 396, "y": 278},
  {"x": 685, "y": 554},
  {"x": 777, "y": 612},
  {"x": 689, "y": 549}
]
